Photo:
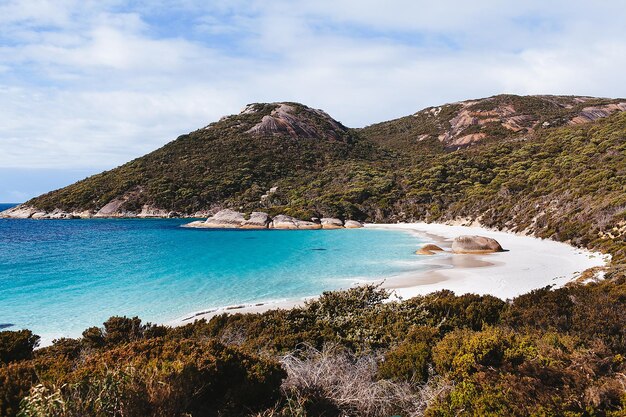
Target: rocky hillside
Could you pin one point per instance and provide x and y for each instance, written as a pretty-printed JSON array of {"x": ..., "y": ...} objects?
[{"x": 457, "y": 125}]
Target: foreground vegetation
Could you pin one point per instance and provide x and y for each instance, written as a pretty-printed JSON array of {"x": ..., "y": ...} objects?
[{"x": 547, "y": 353}]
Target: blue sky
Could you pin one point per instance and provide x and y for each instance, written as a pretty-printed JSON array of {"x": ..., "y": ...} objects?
[{"x": 88, "y": 85}]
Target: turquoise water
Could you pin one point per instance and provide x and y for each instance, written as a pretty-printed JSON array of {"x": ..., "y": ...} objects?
[{"x": 58, "y": 277}]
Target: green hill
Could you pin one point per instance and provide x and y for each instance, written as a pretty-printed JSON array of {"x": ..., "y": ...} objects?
[
  {"x": 232, "y": 162},
  {"x": 322, "y": 168}
]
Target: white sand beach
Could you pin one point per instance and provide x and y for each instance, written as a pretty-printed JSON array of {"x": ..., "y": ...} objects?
[{"x": 528, "y": 263}]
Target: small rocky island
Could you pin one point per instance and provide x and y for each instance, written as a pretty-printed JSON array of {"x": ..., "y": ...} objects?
[{"x": 231, "y": 219}]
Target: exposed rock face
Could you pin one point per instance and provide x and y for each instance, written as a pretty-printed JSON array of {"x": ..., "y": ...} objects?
[
  {"x": 592, "y": 113},
  {"x": 428, "y": 249},
  {"x": 225, "y": 219},
  {"x": 468, "y": 122},
  {"x": 289, "y": 223},
  {"x": 352, "y": 224},
  {"x": 112, "y": 208},
  {"x": 230, "y": 219},
  {"x": 331, "y": 223},
  {"x": 475, "y": 244},
  {"x": 470, "y": 117},
  {"x": 59, "y": 214},
  {"x": 283, "y": 222},
  {"x": 284, "y": 119},
  {"x": 257, "y": 220}
]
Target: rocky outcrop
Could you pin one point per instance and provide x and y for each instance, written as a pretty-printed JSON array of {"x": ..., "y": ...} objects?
[
  {"x": 468, "y": 122},
  {"x": 471, "y": 117},
  {"x": 28, "y": 212},
  {"x": 257, "y": 220},
  {"x": 290, "y": 223},
  {"x": 592, "y": 113},
  {"x": 331, "y": 223},
  {"x": 295, "y": 121},
  {"x": 153, "y": 212},
  {"x": 19, "y": 212},
  {"x": 230, "y": 219},
  {"x": 225, "y": 219},
  {"x": 111, "y": 209},
  {"x": 475, "y": 244},
  {"x": 352, "y": 224}
]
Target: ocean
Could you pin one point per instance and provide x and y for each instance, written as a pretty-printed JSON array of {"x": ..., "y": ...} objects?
[{"x": 58, "y": 277}]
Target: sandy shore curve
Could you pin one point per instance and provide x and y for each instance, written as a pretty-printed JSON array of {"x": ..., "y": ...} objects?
[{"x": 527, "y": 264}]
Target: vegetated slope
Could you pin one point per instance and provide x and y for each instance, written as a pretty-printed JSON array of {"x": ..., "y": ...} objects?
[
  {"x": 232, "y": 162},
  {"x": 568, "y": 184},
  {"x": 321, "y": 168}
]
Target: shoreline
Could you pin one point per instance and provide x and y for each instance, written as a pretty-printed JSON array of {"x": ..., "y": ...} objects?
[{"x": 528, "y": 263}]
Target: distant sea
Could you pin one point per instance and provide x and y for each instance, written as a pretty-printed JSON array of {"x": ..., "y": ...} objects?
[{"x": 58, "y": 277}]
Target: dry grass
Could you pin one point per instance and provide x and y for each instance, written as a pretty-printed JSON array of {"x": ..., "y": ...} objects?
[{"x": 335, "y": 381}]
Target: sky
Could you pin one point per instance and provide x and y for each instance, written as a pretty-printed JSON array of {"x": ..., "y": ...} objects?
[{"x": 86, "y": 85}]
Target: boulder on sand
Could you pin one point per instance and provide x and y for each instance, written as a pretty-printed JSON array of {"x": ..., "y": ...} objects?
[
  {"x": 352, "y": 224},
  {"x": 331, "y": 223},
  {"x": 475, "y": 244},
  {"x": 257, "y": 220},
  {"x": 428, "y": 249}
]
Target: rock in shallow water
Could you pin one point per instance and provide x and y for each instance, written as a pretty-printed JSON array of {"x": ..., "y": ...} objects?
[
  {"x": 257, "y": 220},
  {"x": 290, "y": 223},
  {"x": 475, "y": 244},
  {"x": 331, "y": 223},
  {"x": 225, "y": 219}
]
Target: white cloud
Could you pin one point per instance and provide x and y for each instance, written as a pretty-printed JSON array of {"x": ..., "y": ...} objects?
[{"x": 94, "y": 84}]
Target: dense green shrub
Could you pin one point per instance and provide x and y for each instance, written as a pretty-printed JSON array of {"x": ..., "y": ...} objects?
[
  {"x": 410, "y": 360},
  {"x": 17, "y": 346}
]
